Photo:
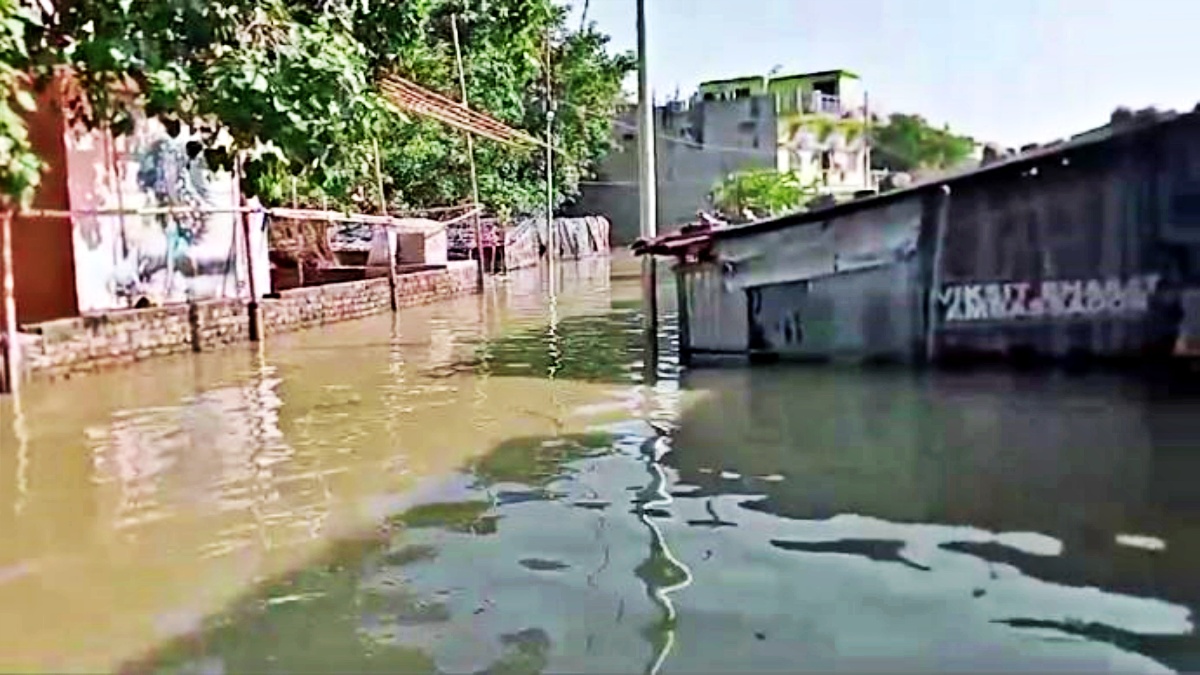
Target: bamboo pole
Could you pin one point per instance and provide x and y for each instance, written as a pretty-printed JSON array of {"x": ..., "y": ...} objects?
[
  {"x": 254, "y": 329},
  {"x": 551, "y": 234},
  {"x": 150, "y": 211},
  {"x": 10, "y": 370},
  {"x": 391, "y": 235},
  {"x": 281, "y": 212},
  {"x": 462, "y": 83}
]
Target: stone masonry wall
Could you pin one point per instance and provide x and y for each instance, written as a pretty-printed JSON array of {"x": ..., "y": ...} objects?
[{"x": 84, "y": 344}]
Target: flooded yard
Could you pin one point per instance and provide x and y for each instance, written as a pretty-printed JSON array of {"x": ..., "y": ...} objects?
[{"x": 489, "y": 485}]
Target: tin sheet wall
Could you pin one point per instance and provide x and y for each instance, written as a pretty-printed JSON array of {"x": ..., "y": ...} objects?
[
  {"x": 866, "y": 314},
  {"x": 1091, "y": 253},
  {"x": 715, "y": 314},
  {"x": 846, "y": 287},
  {"x": 856, "y": 241}
]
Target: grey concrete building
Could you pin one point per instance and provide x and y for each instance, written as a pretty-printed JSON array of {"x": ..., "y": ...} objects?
[{"x": 698, "y": 143}]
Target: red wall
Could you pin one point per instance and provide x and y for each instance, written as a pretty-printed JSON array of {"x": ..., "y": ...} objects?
[{"x": 43, "y": 258}]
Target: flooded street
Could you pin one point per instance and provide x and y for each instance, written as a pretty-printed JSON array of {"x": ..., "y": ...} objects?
[{"x": 487, "y": 485}]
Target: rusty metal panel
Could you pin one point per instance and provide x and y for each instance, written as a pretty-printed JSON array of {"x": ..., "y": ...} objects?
[
  {"x": 715, "y": 315},
  {"x": 867, "y": 314}
]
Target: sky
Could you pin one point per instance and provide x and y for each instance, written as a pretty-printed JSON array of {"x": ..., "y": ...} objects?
[{"x": 1005, "y": 71}]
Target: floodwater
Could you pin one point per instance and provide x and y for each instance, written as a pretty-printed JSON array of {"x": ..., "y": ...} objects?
[{"x": 488, "y": 485}]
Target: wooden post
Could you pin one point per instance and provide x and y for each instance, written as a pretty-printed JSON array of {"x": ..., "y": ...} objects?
[
  {"x": 10, "y": 369},
  {"x": 462, "y": 83},
  {"x": 254, "y": 329},
  {"x": 383, "y": 211}
]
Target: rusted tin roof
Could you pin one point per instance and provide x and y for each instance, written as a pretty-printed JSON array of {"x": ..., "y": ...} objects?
[{"x": 692, "y": 241}]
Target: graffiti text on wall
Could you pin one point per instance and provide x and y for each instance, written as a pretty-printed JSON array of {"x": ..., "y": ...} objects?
[{"x": 1046, "y": 299}]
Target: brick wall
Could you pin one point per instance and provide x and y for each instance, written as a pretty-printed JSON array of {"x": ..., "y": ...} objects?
[
  {"x": 82, "y": 344},
  {"x": 424, "y": 287},
  {"x": 72, "y": 346},
  {"x": 301, "y": 308}
]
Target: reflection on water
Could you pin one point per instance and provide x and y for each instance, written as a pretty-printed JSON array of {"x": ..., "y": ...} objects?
[{"x": 492, "y": 486}]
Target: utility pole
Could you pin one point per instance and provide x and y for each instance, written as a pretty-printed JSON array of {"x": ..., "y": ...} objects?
[
  {"x": 647, "y": 185},
  {"x": 462, "y": 83}
]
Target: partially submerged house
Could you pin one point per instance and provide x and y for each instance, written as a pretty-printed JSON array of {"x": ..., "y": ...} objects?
[{"x": 1085, "y": 247}]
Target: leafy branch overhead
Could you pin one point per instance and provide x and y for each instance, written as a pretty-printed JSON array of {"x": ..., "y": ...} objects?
[
  {"x": 19, "y": 168},
  {"x": 294, "y": 84}
]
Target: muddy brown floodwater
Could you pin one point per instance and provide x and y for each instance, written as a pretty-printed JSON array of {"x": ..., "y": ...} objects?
[{"x": 488, "y": 485}]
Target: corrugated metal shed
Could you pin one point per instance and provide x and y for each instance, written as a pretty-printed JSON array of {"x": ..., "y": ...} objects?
[{"x": 1090, "y": 246}]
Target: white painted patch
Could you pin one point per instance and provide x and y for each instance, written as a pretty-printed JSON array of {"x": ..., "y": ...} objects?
[
  {"x": 730, "y": 475},
  {"x": 1141, "y": 541},
  {"x": 1032, "y": 543}
]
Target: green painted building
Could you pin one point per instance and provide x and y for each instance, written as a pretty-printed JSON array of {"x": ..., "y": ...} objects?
[
  {"x": 823, "y": 92},
  {"x": 819, "y": 122}
]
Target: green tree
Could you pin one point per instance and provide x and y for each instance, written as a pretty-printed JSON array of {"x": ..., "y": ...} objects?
[
  {"x": 19, "y": 167},
  {"x": 760, "y": 193},
  {"x": 908, "y": 143},
  {"x": 504, "y": 49},
  {"x": 293, "y": 85}
]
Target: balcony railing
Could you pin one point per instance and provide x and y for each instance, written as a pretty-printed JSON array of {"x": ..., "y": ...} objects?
[{"x": 821, "y": 103}]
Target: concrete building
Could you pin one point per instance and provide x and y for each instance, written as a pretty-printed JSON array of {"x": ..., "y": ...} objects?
[
  {"x": 811, "y": 124},
  {"x": 696, "y": 145}
]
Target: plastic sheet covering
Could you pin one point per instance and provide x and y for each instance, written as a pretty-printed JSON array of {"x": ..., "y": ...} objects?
[{"x": 575, "y": 238}]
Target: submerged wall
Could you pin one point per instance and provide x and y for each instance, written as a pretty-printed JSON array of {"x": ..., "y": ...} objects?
[{"x": 98, "y": 341}]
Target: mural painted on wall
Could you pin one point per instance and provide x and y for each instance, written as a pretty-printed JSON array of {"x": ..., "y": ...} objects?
[{"x": 156, "y": 258}]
